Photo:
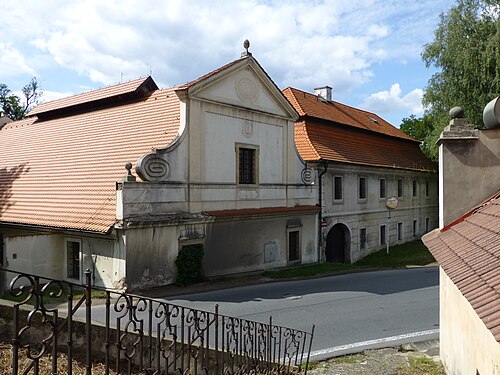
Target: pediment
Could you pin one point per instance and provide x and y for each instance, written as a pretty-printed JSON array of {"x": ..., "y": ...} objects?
[{"x": 245, "y": 85}]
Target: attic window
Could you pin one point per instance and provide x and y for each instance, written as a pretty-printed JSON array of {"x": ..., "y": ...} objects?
[{"x": 374, "y": 120}]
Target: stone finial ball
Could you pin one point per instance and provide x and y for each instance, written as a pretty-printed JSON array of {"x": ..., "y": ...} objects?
[
  {"x": 128, "y": 166},
  {"x": 456, "y": 112},
  {"x": 246, "y": 44}
]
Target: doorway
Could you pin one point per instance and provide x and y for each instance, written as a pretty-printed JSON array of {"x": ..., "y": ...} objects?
[{"x": 338, "y": 243}]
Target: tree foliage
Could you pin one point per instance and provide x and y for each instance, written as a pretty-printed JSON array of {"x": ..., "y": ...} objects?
[
  {"x": 421, "y": 129},
  {"x": 466, "y": 51},
  {"x": 15, "y": 107}
]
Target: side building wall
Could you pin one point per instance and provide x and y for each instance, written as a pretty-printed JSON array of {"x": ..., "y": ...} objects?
[
  {"x": 255, "y": 243},
  {"x": 466, "y": 345},
  {"x": 416, "y": 214},
  {"x": 46, "y": 255}
]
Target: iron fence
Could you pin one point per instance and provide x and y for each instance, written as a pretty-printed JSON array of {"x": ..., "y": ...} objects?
[{"x": 140, "y": 335}]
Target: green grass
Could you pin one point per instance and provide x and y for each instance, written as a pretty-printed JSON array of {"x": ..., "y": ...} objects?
[
  {"x": 410, "y": 254},
  {"x": 422, "y": 366},
  {"x": 355, "y": 358}
]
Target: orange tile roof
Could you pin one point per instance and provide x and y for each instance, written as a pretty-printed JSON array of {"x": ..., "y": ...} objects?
[
  {"x": 336, "y": 132},
  {"x": 311, "y": 106},
  {"x": 316, "y": 140},
  {"x": 95, "y": 95},
  {"x": 62, "y": 172},
  {"x": 469, "y": 253}
]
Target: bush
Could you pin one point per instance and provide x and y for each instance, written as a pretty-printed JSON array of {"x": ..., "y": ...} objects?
[{"x": 189, "y": 264}]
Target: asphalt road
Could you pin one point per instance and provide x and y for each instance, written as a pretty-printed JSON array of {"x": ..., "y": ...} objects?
[
  {"x": 351, "y": 312},
  {"x": 360, "y": 310}
]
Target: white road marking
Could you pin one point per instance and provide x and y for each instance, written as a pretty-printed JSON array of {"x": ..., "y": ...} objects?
[{"x": 385, "y": 340}]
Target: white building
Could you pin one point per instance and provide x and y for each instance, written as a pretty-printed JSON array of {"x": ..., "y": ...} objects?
[
  {"x": 217, "y": 165},
  {"x": 361, "y": 160}
]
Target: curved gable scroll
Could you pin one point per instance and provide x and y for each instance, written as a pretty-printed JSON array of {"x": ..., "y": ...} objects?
[{"x": 152, "y": 167}]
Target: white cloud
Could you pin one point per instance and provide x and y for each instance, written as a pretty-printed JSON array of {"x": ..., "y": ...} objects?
[
  {"x": 392, "y": 100},
  {"x": 306, "y": 43},
  {"x": 13, "y": 62}
]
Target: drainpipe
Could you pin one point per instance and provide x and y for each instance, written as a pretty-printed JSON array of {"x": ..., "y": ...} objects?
[{"x": 320, "y": 204}]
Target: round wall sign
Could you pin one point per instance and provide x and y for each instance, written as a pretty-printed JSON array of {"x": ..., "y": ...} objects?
[{"x": 391, "y": 203}]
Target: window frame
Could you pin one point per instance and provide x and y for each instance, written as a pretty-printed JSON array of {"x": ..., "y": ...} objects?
[
  {"x": 334, "y": 188},
  {"x": 414, "y": 192},
  {"x": 71, "y": 276},
  {"x": 362, "y": 199},
  {"x": 384, "y": 180},
  {"x": 298, "y": 233},
  {"x": 363, "y": 241},
  {"x": 427, "y": 224},
  {"x": 255, "y": 164},
  {"x": 415, "y": 227},
  {"x": 427, "y": 188},
  {"x": 382, "y": 234},
  {"x": 400, "y": 187},
  {"x": 400, "y": 231}
]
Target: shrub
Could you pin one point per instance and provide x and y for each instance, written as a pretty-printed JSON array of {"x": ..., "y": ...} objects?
[{"x": 189, "y": 264}]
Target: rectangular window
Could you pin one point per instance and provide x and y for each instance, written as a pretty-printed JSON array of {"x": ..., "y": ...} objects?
[
  {"x": 415, "y": 227},
  {"x": 362, "y": 238},
  {"x": 362, "y": 188},
  {"x": 73, "y": 259},
  {"x": 293, "y": 246},
  {"x": 400, "y": 231},
  {"x": 415, "y": 188},
  {"x": 337, "y": 188},
  {"x": 382, "y": 234},
  {"x": 247, "y": 165},
  {"x": 400, "y": 188},
  {"x": 427, "y": 188},
  {"x": 382, "y": 188},
  {"x": 427, "y": 224}
]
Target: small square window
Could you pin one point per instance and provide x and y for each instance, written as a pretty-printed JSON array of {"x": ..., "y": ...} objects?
[
  {"x": 362, "y": 188},
  {"x": 382, "y": 192},
  {"x": 337, "y": 188},
  {"x": 400, "y": 188},
  {"x": 362, "y": 238}
]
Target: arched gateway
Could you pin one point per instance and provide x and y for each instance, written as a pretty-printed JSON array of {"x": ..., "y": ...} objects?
[{"x": 338, "y": 243}]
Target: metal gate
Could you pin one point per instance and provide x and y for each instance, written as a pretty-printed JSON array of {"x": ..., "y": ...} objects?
[{"x": 138, "y": 335}]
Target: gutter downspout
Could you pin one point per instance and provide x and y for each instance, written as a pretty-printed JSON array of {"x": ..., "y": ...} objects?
[{"x": 320, "y": 216}]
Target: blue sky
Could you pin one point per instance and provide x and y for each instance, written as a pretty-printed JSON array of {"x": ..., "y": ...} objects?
[{"x": 367, "y": 50}]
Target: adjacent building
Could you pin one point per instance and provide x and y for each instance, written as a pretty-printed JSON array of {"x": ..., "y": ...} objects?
[
  {"x": 467, "y": 245},
  {"x": 361, "y": 160},
  {"x": 117, "y": 180}
]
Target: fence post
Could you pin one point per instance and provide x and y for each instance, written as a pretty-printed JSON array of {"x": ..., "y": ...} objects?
[{"x": 88, "y": 320}]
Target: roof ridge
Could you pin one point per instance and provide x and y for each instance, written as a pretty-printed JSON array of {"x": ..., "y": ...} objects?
[
  {"x": 97, "y": 89},
  {"x": 291, "y": 89}
]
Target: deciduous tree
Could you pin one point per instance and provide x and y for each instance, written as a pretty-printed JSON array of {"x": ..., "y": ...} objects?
[
  {"x": 466, "y": 51},
  {"x": 15, "y": 107}
]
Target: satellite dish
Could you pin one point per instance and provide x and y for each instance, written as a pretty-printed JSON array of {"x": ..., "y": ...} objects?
[{"x": 491, "y": 114}]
